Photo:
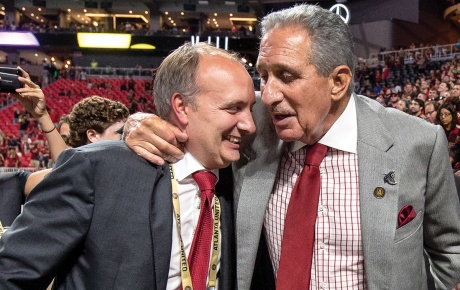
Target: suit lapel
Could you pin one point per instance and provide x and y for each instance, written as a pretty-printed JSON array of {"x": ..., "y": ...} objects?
[
  {"x": 227, "y": 254},
  {"x": 257, "y": 185},
  {"x": 161, "y": 220},
  {"x": 378, "y": 215}
]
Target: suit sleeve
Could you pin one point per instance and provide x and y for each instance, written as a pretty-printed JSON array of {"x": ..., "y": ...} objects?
[
  {"x": 11, "y": 195},
  {"x": 54, "y": 222},
  {"x": 442, "y": 217}
]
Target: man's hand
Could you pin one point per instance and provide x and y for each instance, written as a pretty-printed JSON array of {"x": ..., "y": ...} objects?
[{"x": 153, "y": 138}]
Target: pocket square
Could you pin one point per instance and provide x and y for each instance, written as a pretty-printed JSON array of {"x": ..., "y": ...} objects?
[{"x": 406, "y": 214}]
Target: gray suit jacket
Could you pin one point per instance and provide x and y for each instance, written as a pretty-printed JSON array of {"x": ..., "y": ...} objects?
[
  {"x": 393, "y": 257},
  {"x": 99, "y": 222}
]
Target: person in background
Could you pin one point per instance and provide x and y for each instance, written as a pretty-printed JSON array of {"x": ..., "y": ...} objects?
[
  {"x": 394, "y": 100},
  {"x": 423, "y": 97},
  {"x": 12, "y": 158},
  {"x": 433, "y": 94},
  {"x": 447, "y": 118},
  {"x": 91, "y": 120},
  {"x": 403, "y": 105},
  {"x": 416, "y": 108},
  {"x": 389, "y": 216},
  {"x": 431, "y": 111},
  {"x": 119, "y": 211},
  {"x": 64, "y": 127},
  {"x": 96, "y": 118}
]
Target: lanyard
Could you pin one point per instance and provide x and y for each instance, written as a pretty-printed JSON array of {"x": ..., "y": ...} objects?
[
  {"x": 185, "y": 270},
  {"x": 2, "y": 229}
]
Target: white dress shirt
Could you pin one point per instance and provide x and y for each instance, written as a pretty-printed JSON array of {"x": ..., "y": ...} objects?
[{"x": 190, "y": 202}]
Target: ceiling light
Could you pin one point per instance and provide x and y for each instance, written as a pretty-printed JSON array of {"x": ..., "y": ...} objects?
[
  {"x": 39, "y": 9},
  {"x": 203, "y": 2},
  {"x": 166, "y": 13},
  {"x": 84, "y": 10},
  {"x": 243, "y": 19},
  {"x": 69, "y": 10},
  {"x": 146, "y": 12},
  {"x": 130, "y": 11},
  {"x": 103, "y": 40},
  {"x": 215, "y": 14},
  {"x": 182, "y": 13}
]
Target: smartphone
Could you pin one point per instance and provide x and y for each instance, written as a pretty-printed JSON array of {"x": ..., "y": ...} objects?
[
  {"x": 10, "y": 70},
  {"x": 9, "y": 83}
]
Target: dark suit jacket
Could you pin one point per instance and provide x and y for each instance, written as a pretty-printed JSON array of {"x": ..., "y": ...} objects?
[
  {"x": 11, "y": 195},
  {"x": 102, "y": 219}
]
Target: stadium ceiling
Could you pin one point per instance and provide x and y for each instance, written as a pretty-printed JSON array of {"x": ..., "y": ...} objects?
[{"x": 221, "y": 14}]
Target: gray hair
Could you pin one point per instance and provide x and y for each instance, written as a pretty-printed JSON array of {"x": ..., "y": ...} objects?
[
  {"x": 331, "y": 39},
  {"x": 177, "y": 74}
]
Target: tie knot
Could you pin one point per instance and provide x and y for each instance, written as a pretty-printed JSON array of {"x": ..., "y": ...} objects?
[
  {"x": 315, "y": 154},
  {"x": 206, "y": 180}
]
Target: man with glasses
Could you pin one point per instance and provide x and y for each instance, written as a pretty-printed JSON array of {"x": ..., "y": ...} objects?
[{"x": 431, "y": 110}]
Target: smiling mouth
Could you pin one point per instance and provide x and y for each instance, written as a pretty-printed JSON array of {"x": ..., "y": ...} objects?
[{"x": 234, "y": 139}]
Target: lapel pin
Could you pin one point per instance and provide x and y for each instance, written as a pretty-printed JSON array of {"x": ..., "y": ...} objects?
[
  {"x": 390, "y": 178},
  {"x": 379, "y": 192}
]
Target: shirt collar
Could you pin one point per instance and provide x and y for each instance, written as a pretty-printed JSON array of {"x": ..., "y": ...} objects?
[
  {"x": 343, "y": 135},
  {"x": 188, "y": 165}
]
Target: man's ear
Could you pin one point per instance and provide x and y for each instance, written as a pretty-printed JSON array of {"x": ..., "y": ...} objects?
[
  {"x": 179, "y": 110},
  {"x": 92, "y": 135},
  {"x": 340, "y": 80}
]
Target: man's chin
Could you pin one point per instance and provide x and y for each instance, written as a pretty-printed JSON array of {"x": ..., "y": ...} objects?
[
  {"x": 230, "y": 157},
  {"x": 287, "y": 135}
]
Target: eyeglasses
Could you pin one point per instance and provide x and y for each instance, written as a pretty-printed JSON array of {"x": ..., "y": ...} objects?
[
  {"x": 444, "y": 115},
  {"x": 429, "y": 113}
]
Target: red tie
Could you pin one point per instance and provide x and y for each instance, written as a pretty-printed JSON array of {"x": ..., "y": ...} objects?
[
  {"x": 201, "y": 246},
  {"x": 299, "y": 227}
]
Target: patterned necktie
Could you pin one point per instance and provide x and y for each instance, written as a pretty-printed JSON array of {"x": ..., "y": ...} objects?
[
  {"x": 299, "y": 227},
  {"x": 201, "y": 246}
]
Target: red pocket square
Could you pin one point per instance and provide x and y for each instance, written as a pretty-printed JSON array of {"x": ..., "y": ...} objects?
[{"x": 406, "y": 214}]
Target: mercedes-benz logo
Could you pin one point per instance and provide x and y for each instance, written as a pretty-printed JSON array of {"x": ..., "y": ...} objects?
[{"x": 342, "y": 11}]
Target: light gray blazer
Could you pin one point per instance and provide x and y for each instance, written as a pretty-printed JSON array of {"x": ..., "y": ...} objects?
[{"x": 387, "y": 140}]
